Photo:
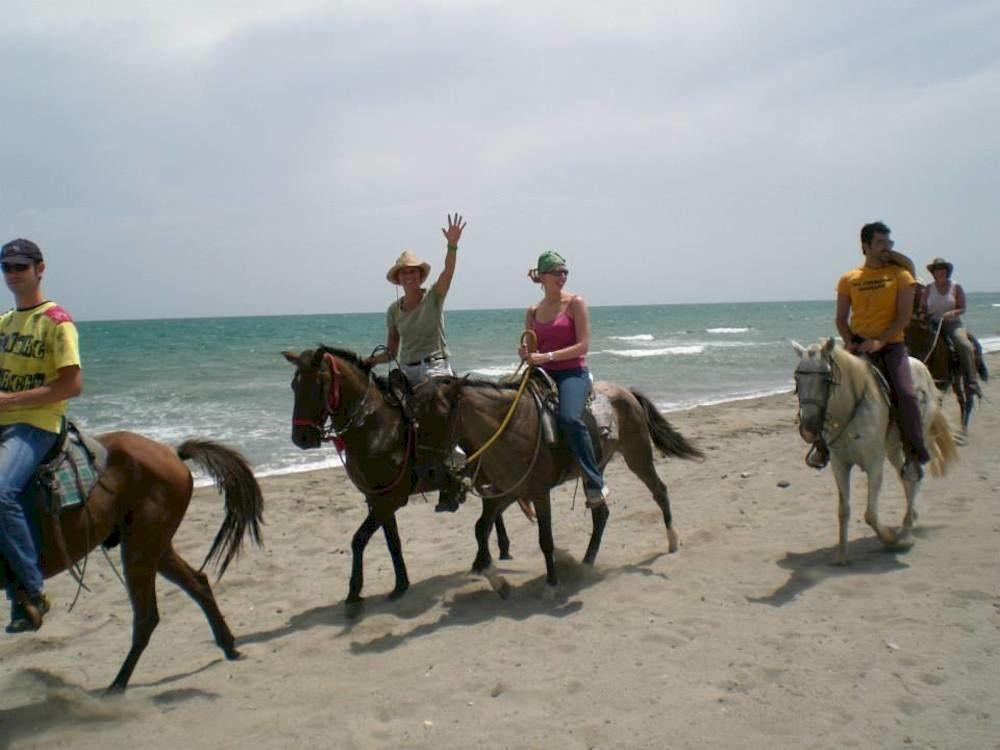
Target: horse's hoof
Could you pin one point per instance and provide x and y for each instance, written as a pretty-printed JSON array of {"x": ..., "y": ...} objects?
[
  {"x": 397, "y": 593},
  {"x": 672, "y": 541},
  {"x": 506, "y": 556},
  {"x": 232, "y": 654}
]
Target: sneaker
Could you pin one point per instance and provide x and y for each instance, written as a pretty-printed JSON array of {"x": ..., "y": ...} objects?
[
  {"x": 818, "y": 456},
  {"x": 597, "y": 498},
  {"x": 911, "y": 471},
  {"x": 27, "y": 613}
]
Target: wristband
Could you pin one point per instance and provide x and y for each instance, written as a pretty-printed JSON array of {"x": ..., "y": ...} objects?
[
  {"x": 453, "y": 248},
  {"x": 551, "y": 357}
]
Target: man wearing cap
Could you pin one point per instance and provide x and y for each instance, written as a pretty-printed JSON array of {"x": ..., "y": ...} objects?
[
  {"x": 39, "y": 371},
  {"x": 874, "y": 306},
  {"x": 944, "y": 304}
]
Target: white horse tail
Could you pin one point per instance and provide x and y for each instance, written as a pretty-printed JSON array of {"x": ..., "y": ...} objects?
[{"x": 942, "y": 444}]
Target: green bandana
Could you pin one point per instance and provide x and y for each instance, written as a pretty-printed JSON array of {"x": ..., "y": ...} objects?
[{"x": 548, "y": 260}]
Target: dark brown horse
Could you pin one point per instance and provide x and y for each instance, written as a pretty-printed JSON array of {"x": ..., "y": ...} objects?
[
  {"x": 141, "y": 499},
  {"x": 520, "y": 464},
  {"x": 339, "y": 398},
  {"x": 927, "y": 342}
]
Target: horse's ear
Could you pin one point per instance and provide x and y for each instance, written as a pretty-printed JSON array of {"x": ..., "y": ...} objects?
[
  {"x": 799, "y": 349},
  {"x": 291, "y": 357},
  {"x": 828, "y": 346}
]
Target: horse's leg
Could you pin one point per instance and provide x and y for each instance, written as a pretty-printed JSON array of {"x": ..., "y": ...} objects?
[
  {"x": 599, "y": 517},
  {"x": 638, "y": 457},
  {"x": 842, "y": 476},
  {"x": 543, "y": 508},
  {"x": 503, "y": 541},
  {"x": 140, "y": 579},
  {"x": 368, "y": 527},
  {"x": 195, "y": 584},
  {"x": 484, "y": 562},
  {"x": 391, "y": 531},
  {"x": 875, "y": 473}
]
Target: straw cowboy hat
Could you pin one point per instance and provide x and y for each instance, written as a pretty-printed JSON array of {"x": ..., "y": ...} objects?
[
  {"x": 408, "y": 260},
  {"x": 898, "y": 259},
  {"x": 940, "y": 263}
]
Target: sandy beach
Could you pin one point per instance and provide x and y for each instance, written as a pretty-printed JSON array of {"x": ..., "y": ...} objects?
[{"x": 747, "y": 637}]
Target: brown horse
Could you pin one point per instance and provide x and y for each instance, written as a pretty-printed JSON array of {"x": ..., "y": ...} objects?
[
  {"x": 927, "y": 343},
  {"x": 520, "y": 464},
  {"x": 140, "y": 500},
  {"x": 386, "y": 457}
]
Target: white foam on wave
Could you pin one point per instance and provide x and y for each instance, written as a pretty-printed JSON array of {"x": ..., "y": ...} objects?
[
  {"x": 636, "y": 337},
  {"x": 727, "y": 330},
  {"x": 498, "y": 371},
  {"x": 669, "y": 406},
  {"x": 690, "y": 349},
  {"x": 990, "y": 344},
  {"x": 269, "y": 470}
]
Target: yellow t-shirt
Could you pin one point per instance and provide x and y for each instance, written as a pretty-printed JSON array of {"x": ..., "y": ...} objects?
[
  {"x": 872, "y": 292},
  {"x": 34, "y": 345}
]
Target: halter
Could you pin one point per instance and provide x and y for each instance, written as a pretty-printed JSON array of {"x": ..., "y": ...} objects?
[
  {"x": 821, "y": 404},
  {"x": 331, "y": 403},
  {"x": 335, "y": 434}
]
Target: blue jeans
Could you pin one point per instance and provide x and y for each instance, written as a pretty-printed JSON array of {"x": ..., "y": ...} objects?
[
  {"x": 22, "y": 448},
  {"x": 574, "y": 387}
]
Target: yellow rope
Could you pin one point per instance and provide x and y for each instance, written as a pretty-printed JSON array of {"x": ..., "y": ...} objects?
[{"x": 510, "y": 412}]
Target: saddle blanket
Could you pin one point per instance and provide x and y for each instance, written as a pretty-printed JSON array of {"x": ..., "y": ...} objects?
[{"x": 67, "y": 479}]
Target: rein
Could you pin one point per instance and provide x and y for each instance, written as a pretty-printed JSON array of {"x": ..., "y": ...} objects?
[{"x": 937, "y": 335}]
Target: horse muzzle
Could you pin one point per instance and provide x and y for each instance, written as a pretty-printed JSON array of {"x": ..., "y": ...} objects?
[{"x": 306, "y": 435}]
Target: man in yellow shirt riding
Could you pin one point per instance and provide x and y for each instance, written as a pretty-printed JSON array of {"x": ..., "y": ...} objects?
[
  {"x": 874, "y": 306},
  {"x": 39, "y": 371}
]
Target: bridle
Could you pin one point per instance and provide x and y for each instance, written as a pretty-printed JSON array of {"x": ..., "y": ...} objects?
[
  {"x": 821, "y": 403},
  {"x": 331, "y": 433}
]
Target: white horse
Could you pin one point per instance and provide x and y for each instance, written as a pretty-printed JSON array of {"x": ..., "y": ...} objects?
[{"x": 840, "y": 400}]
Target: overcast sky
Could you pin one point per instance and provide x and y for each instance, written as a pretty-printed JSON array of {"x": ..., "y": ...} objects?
[{"x": 194, "y": 158}]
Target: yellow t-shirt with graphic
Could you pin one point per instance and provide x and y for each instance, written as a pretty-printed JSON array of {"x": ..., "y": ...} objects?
[
  {"x": 34, "y": 345},
  {"x": 872, "y": 292}
]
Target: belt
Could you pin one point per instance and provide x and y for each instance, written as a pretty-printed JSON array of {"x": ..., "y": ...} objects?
[{"x": 426, "y": 360}]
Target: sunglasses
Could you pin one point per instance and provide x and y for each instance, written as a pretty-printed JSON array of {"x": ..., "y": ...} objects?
[
  {"x": 557, "y": 272},
  {"x": 15, "y": 267}
]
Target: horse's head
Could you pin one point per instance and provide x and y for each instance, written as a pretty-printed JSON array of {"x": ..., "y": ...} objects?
[
  {"x": 813, "y": 377},
  {"x": 311, "y": 387}
]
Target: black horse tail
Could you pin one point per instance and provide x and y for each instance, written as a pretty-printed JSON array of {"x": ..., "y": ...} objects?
[
  {"x": 244, "y": 502},
  {"x": 665, "y": 437}
]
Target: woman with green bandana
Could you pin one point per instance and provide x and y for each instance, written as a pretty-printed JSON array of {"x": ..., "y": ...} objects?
[{"x": 561, "y": 325}]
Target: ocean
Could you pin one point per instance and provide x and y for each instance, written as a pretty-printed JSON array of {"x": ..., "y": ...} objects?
[{"x": 225, "y": 378}]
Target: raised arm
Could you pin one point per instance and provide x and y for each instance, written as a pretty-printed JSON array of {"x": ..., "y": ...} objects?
[{"x": 452, "y": 235}]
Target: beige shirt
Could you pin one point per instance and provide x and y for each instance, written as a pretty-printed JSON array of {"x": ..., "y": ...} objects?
[{"x": 421, "y": 331}]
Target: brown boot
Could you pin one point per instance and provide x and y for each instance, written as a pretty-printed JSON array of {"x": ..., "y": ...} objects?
[{"x": 28, "y": 613}]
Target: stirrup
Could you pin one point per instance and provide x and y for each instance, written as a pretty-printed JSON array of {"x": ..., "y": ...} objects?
[{"x": 28, "y": 613}]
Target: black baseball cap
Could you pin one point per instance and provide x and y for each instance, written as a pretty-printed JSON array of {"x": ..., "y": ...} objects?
[{"x": 20, "y": 251}]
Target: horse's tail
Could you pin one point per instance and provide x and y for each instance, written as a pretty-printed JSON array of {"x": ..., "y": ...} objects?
[
  {"x": 665, "y": 437},
  {"x": 943, "y": 452},
  {"x": 244, "y": 503}
]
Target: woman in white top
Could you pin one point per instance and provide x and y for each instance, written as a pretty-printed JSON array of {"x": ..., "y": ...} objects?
[{"x": 944, "y": 303}]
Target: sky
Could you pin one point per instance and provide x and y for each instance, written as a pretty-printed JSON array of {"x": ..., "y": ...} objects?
[{"x": 199, "y": 158}]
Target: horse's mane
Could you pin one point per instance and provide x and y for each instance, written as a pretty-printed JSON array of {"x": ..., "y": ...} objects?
[
  {"x": 354, "y": 360},
  {"x": 855, "y": 372}
]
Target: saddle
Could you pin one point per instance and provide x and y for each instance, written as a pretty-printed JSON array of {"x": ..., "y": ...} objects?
[
  {"x": 598, "y": 414},
  {"x": 69, "y": 472}
]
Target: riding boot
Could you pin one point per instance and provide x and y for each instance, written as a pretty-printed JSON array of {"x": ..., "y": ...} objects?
[
  {"x": 818, "y": 455},
  {"x": 28, "y": 612}
]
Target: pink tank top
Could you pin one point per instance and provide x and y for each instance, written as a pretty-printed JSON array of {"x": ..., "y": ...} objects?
[{"x": 557, "y": 334}]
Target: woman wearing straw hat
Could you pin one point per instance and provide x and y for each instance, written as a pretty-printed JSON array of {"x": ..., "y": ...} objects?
[
  {"x": 944, "y": 303},
  {"x": 415, "y": 322},
  {"x": 561, "y": 324}
]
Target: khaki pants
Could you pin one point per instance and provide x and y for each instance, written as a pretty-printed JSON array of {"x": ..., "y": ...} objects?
[{"x": 966, "y": 353}]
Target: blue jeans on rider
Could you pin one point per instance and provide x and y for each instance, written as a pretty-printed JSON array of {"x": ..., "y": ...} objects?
[
  {"x": 574, "y": 387},
  {"x": 22, "y": 448},
  {"x": 896, "y": 363}
]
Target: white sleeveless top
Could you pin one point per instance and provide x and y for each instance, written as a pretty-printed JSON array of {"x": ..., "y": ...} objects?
[{"x": 937, "y": 303}]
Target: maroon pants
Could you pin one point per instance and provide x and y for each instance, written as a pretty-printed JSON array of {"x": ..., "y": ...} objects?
[{"x": 895, "y": 361}]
